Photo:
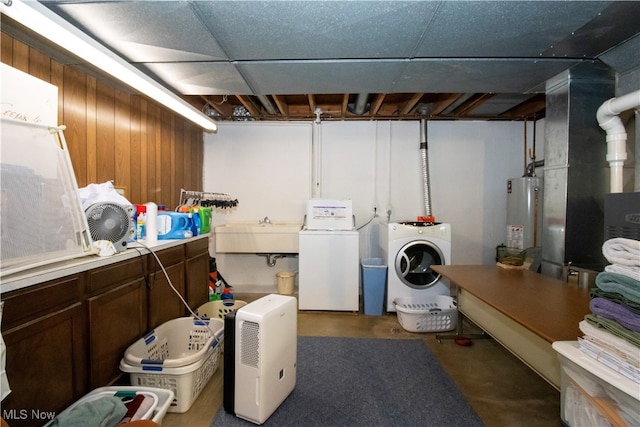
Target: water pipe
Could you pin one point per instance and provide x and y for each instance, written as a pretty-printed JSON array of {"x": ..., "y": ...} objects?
[
  {"x": 272, "y": 258},
  {"x": 609, "y": 120}
]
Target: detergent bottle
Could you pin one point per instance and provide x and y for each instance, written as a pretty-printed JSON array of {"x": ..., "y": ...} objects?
[
  {"x": 197, "y": 223},
  {"x": 192, "y": 211},
  {"x": 174, "y": 225},
  {"x": 205, "y": 219}
]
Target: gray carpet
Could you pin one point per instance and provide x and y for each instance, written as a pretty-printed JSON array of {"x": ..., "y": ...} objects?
[{"x": 367, "y": 382}]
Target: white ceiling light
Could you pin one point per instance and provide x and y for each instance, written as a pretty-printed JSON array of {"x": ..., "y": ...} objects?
[{"x": 41, "y": 20}]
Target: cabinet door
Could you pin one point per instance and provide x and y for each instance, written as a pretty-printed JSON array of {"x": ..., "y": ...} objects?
[
  {"x": 117, "y": 318},
  {"x": 46, "y": 365},
  {"x": 197, "y": 273},
  {"x": 164, "y": 303}
]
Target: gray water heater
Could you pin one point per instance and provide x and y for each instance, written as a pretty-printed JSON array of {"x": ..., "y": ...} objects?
[{"x": 524, "y": 212}]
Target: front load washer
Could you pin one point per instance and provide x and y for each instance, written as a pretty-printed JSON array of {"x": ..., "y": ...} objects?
[{"x": 410, "y": 248}]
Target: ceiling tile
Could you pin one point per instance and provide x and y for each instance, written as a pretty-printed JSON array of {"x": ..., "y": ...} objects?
[
  {"x": 145, "y": 31},
  {"x": 201, "y": 78},
  {"x": 478, "y": 75},
  {"x": 625, "y": 57},
  {"x": 498, "y": 104},
  {"x": 263, "y": 30},
  {"x": 503, "y": 29},
  {"x": 294, "y": 77}
]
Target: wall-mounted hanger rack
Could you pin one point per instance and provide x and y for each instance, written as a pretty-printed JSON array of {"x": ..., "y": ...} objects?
[{"x": 206, "y": 199}]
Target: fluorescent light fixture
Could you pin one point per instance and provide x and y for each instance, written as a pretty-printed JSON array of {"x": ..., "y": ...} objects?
[{"x": 43, "y": 21}]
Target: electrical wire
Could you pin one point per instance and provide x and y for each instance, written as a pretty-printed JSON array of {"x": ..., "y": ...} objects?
[
  {"x": 217, "y": 338},
  {"x": 368, "y": 222}
]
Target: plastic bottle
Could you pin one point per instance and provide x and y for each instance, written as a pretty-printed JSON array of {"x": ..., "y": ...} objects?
[
  {"x": 227, "y": 297},
  {"x": 140, "y": 220},
  {"x": 192, "y": 222},
  {"x": 151, "y": 224},
  {"x": 140, "y": 226},
  {"x": 197, "y": 222}
]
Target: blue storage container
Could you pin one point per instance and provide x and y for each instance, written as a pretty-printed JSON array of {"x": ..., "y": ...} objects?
[{"x": 374, "y": 280}]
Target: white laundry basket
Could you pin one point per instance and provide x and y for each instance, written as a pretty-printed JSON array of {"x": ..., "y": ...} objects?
[
  {"x": 180, "y": 355},
  {"x": 177, "y": 342},
  {"x": 219, "y": 309},
  {"x": 436, "y": 313},
  {"x": 186, "y": 382},
  {"x": 160, "y": 400}
]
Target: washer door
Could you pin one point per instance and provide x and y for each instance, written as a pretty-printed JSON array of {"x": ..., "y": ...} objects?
[{"x": 414, "y": 261}]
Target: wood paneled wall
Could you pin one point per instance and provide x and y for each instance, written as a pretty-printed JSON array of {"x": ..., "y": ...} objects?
[{"x": 115, "y": 135}]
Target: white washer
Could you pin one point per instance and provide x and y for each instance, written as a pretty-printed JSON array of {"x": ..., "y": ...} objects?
[
  {"x": 328, "y": 270},
  {"x": 410, "y": 248},
  {"x": 328, "y": 257}
]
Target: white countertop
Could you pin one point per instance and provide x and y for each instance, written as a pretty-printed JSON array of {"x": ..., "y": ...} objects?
[{"x": 60, "y": 269}]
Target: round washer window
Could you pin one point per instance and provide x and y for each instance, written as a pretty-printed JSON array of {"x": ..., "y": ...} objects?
[{"x": 414, "y": 261}]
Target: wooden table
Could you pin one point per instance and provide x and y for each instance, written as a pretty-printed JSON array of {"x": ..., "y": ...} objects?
[{"x": 524, "y": 311}]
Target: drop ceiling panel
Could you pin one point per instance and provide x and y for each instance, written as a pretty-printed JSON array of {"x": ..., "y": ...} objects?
[
  {"x": 498, "y": 104},
  {"x": 200, "y": 78},
  {"x": 478, "y": 75},
  {"x": 322, "y": 77},
  {"x": 614, "y": 26},
  {"x": 499, "y": 29},
  {"x": 625, "y": 57},
  {"x": 145, "y": 31},
  {"x": 263, "y": 30}
]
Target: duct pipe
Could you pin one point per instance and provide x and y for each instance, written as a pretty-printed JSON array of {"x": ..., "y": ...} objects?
[
  {"x": 609, "y": 120},
  {"x": 425, "y": 171},
  {"x": 266, "y": 104},
  {"x": 360, "y": 105}
]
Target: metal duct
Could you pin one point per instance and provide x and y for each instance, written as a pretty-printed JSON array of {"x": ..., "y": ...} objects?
[
  {"x": 266, "y": 104},
  {"x": 425, "y": 171},
  {"x": 575, "y": 172},
  {"x": 616, "y": 136},
  {"x": 360, "y": 105}
]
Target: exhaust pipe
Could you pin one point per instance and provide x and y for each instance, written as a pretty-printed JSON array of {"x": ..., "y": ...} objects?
[
  {"x": 609, "y": 120},
  {"x": 425, "y": 173}
]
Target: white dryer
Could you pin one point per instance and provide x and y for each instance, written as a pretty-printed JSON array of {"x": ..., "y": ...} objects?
[{"x": 410, "y": 249}]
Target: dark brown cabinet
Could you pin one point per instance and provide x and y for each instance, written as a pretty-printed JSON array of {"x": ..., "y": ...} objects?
[
  {"x": 196, "y": 267},
  {"x": 164, "y": 302},
  {"x": 45, "y": 333},
  {"x": 117, "y": 310},
  {"x": 65, "y": 337}
]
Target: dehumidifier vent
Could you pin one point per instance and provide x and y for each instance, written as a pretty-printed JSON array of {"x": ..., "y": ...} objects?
[
  {"x": 109, "y": 221},
  {"x": 250, "y": 343}
]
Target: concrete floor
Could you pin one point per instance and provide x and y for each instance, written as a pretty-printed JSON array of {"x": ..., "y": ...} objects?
[{"x": 501, "y": 389}]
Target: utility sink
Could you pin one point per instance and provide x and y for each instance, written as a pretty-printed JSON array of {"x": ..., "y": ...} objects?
[{"x": 255, "y": 237}]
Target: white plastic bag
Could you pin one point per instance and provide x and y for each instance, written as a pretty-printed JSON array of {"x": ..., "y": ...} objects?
[{"x": 105, "y": 192}]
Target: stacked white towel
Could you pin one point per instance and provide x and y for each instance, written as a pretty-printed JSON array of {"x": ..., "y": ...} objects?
[
  {"x": 633, "y": 272},
  {"x": 624, "y": 256},
  {"x": 611, "y": 337},
  {"x": 607, "y": 337},
  {"x": 622, "y": 251}
]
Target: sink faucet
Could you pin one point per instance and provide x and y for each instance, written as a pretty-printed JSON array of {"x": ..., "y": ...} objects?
[{"x": 266, "y": 220}]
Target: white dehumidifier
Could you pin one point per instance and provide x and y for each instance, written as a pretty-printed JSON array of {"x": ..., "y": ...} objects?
[{"x": 260, "y": 356}]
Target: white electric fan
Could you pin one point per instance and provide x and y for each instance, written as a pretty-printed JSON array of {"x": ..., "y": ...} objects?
[{"x": 109, "y": 221}]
